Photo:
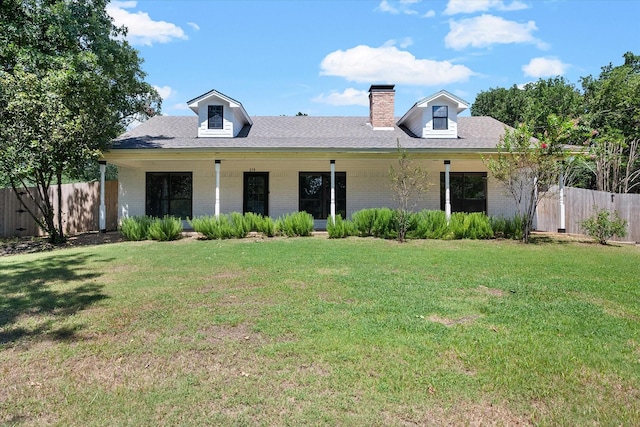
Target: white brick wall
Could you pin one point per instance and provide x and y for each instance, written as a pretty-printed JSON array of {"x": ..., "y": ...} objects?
[{"x": 368, "y": 184}]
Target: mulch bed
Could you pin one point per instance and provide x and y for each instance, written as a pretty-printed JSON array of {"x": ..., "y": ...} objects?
[{"x": 22, "y": 245}]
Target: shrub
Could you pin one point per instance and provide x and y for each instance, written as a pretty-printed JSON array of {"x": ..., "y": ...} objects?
[
  {"x": 385, "y": 223},
  {"x": 339, "y": 228},
  {"x": 260, "y": 224},
  {"x": 239, "y": 226},
  {"x": 136, "y": 227},
  {"x": 473, "y": 225},
  {"x": 430, "y": 224},
  {"x": 167, "y": 228},
  {"x": 295, "y": 224},
  {"x": 508, "y": 228},
  {"x": 602, "y": 227},
  {"x": 363, "y": 221}
]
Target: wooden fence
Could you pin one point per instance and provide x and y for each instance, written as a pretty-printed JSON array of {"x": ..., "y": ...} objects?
[
  {"x": 579, "y": 205},
  {"x": 80, "y": 210}
]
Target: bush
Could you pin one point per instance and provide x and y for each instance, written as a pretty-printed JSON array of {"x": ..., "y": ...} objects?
[
  {"x": 339, "y": 228},
  {"x": 507, "y": 228},
  {"x": 164, "y": 229},
  {"x": 602, "y": 227},
  {"x": 430, "y": 224},
  {"x": 260, "y": 224},
  {"x": 136, "y": 227},
  {"x": 363, "y": 221},
  {"x": 473, "y": 225},
  {"x": 294, "y": 224}
]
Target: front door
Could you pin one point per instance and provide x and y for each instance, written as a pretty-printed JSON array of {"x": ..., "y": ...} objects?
[{"x": 256, "y": 193}]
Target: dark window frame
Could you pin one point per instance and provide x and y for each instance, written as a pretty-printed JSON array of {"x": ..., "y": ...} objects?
[
  {"x": 245, "y": 194},
  {"x": 459, "y": 200},
  {"x": 215, "y": 117},
  {"x": 171, "y": 201},
  {"x": 320, "y": 205},
  {"x": 440, "y": 114}
]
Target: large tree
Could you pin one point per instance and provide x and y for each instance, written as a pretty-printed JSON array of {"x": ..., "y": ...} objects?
[
  {"x": 612, "y": 118},
  {"x": 69, "y": 84},
  {"x": 530, "y": 104}
]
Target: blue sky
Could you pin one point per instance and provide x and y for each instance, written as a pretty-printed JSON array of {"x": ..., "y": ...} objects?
[{"x": 320, "y": 57}]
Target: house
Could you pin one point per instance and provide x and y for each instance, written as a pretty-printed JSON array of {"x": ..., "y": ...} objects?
[{"x": 223, "y": 160}]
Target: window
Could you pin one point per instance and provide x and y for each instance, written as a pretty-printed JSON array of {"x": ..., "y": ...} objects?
[
  {"x": 315, "y": 194},
  {"x": 169, "y": 193},
  {"x": 440, "y": 117},
  {"x": 468, "y": 191},
  {"x": 256, "y": 193},
  {"x": 215, "y": 116}
]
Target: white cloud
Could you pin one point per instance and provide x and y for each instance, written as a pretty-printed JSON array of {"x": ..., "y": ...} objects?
[
  {"x": 486, "y": 30},
  {"x": 466, "y": 6},
  {"x": 404, "y": 43},
  {"x": 164, "y": 91},
  {"x": 194, "y": 26},
  {"x": 365, "y": 64},
  {"x": 429, "y": 14},
  {"x": 349, "y": 96},
  {"x": 544, "y": 67},
  {"x": 403, "y": 6},
  {"x": 142, "y": 29}
]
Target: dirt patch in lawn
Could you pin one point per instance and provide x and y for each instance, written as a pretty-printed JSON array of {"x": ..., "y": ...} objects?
[
  {"x": 452, "y": 322},
  {"x": 23, "y": 245}
]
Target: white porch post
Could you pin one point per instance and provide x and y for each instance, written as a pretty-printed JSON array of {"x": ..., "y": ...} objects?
[
  {"x": 217, "y": 207},
  {"x": 103, "y": 208},
  {"x": 447, "y": 189},
  {"x": 562, "y": 228},
  {"x": 333, "y": 190}
]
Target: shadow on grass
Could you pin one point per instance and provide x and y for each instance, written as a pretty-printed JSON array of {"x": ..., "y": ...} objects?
[{"x": 32, "y": 307}]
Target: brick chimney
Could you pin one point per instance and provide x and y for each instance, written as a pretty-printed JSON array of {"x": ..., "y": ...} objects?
[{"x": 381, "y": 106}]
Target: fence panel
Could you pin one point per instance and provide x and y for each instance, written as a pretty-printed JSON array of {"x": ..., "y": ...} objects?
[
  {"x": 580, "y": 204},
  {"x": 80, "y": 209}
]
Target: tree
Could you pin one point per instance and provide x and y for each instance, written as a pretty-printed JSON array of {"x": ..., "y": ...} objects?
[
  {"x": 612, "y": 121},
  {"x": 69, "y": 85},
  {"x": 532, "y": 103},
  {"x": 528, "y": 167},
  {"x": 408, "y": 182}
]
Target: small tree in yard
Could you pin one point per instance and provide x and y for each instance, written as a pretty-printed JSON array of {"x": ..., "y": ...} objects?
[
  {"x": 408, "y": 183},
  {"x": 527, "y": 167},
  {"x": 601, "y": 227}
]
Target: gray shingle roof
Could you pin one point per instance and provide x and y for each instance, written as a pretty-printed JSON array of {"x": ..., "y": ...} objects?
[{"x": 283, "y": 133}]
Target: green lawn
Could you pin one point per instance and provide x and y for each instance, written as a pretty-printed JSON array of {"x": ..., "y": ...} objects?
[{"x": 311, "y": 331}]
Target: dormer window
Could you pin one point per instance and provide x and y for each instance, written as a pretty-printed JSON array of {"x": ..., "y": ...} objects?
[
  {"x": 440, "y": 117},
  {"x": 215, "y": 116}
]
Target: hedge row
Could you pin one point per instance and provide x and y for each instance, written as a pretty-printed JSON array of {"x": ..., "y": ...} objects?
[{"x": 377, "y": 222}]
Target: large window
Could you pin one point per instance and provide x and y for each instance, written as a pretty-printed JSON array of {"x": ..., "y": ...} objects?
[
  {"x": 315, "y": 194},
  {"x": 169, "y": 193},
  {"x": 440, "y": 117},
  {"x": 468, "y": 191},
  {"x": 215, "y": 116},
  {"x": 256, "y": 193}
]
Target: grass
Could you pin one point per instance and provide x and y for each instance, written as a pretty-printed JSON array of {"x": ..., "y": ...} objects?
[{"x": 311, "y": 331}]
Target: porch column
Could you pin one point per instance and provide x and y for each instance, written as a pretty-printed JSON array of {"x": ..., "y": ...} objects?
[
  {"x": 562, "y": 228},
  {"x": 447, "y": 190},
  {"x": 333, "y": 190},
  {"x": 217, "y": 208},
  {"x": 103, "y": 208}
]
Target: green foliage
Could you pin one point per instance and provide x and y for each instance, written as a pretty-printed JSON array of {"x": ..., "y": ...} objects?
[
  {"x": 63, "y": 64},
  {"x": 136, "y": 227},
  {"x": 473, "y": 225},
  {"x": 602, "y": 225},
  {"x": 507, "y": 228},
  {"x": 340, "y": 228},
  {"x": 430, "y": 224},
  {"x": 259, "y": 223},
  {"x": 165, "y": 229},
  {"x": 294, "y": 224},
  {"x": 531, "y": 104}
]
